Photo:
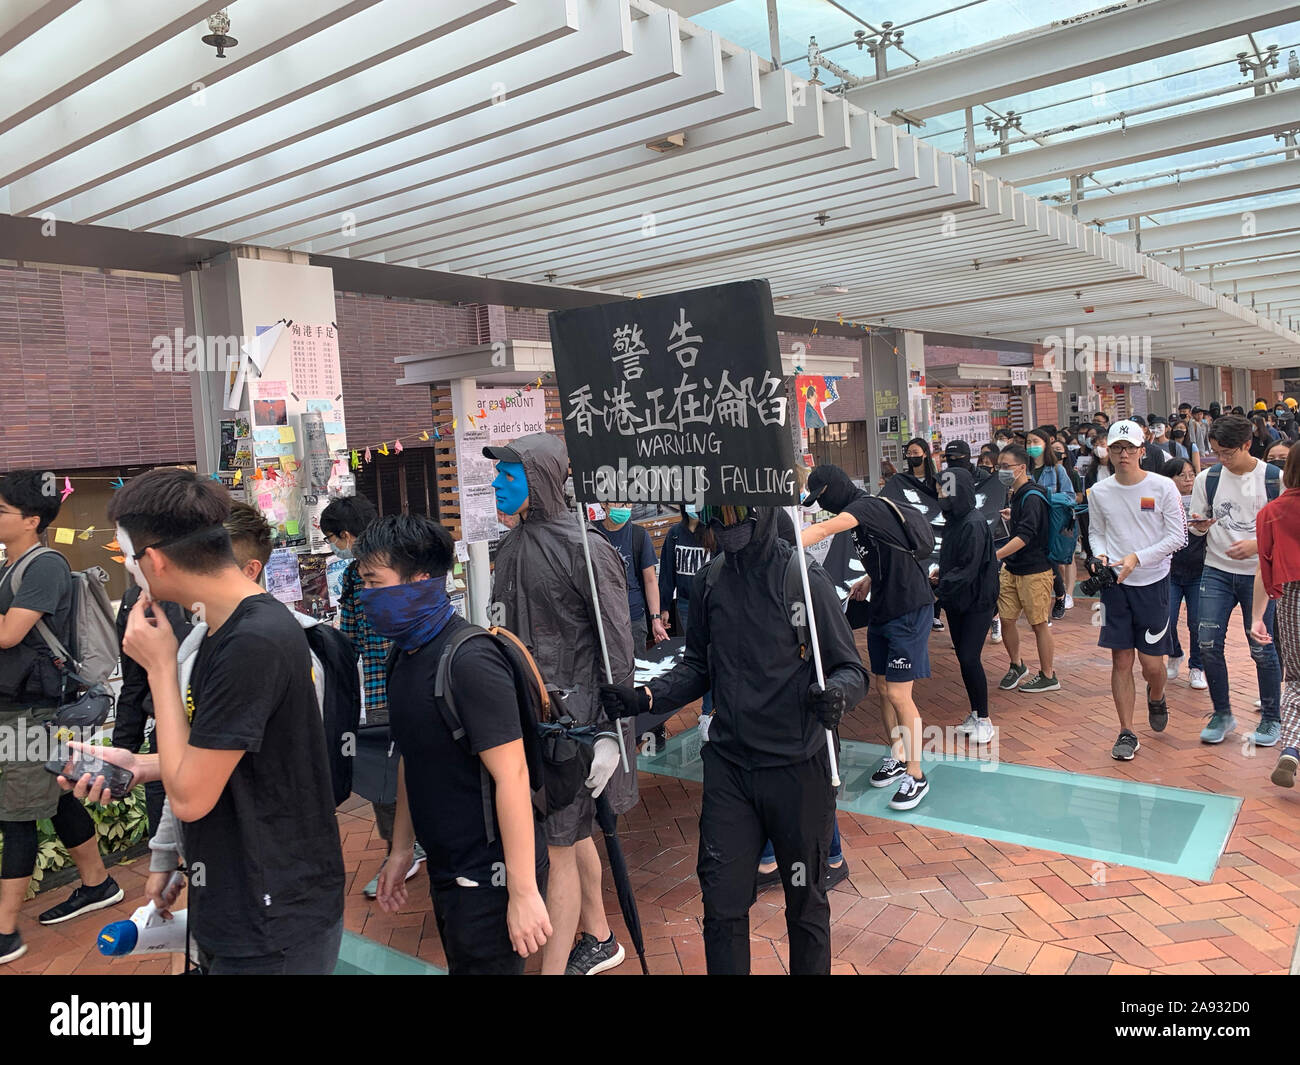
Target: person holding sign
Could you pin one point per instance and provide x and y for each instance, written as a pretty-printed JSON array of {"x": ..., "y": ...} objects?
[
  {"x": 900, "y": 613},
  {"x": 766, "y": 764},
  {"x": 541, "y": 593}
]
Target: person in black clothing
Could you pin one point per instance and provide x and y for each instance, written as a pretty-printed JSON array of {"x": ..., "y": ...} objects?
[
  {"x": 766, "y": 766},
  {"x": 243, "y": 756},
  {"x": 966, "y": 586},
  {"x": 898, "y": 618},
  {"x": 683, "y": 553},
  {"x": 920, "y": 475},
  {"x": 487, "y": 892},
  {"x": 133, "y": 717}
]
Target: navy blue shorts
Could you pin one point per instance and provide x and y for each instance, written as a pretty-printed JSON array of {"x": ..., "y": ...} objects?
[
  {"x": 1137, "y": 618},
  {"x": 899, "y": 649}
]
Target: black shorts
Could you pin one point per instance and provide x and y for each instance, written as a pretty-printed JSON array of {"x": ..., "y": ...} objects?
[{"x": 1136, "y": 618}]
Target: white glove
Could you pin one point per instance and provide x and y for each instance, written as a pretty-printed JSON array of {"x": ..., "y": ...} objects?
[{"x": 603, "y": 764}]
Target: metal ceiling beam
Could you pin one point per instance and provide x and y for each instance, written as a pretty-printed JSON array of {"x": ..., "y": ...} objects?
[
  {"x": 1242, "y": 271},
  {"x": 1260, "y": 249},
  {"x": 1238, "y": 184},
  {"x": 20, "y": 19},
  {"x": 1238, "y": 225},
  {"x": 1256, "y": 116},
  {"x": 1116, "y": 36}
]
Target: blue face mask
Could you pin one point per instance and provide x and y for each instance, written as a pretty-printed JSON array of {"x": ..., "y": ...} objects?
[
  {"x": 408, "y": 614},
  {"x": 620, "y": 515},
  {"x": 693, "y": 512},
  {"x": 511, "y": 486}
]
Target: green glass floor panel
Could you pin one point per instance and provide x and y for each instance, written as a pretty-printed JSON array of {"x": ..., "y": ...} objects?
[
  {"x": 1119, "y": 822},
  {"x": 359, "y": 956}
]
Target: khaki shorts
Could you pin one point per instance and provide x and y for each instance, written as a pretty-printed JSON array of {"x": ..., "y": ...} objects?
[
  {"x": 577, "y": 821},
  {"x": 27, "y": 791},
  {"x": 1030, "y": 593}
]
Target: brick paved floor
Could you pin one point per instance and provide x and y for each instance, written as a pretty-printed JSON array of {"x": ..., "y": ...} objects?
[{"x": 922, "y": 900}]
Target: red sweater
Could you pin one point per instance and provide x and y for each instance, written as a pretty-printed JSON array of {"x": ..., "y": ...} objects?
[{"x": 1277, "y": 531}]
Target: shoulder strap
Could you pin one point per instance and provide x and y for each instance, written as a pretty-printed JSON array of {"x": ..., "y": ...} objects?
[
  {"x": 43, "y": 630},
  {"x": 793, "y": 595},
  {"x": 1211, "y": 486},
  {"x": 451, "y": 717}
]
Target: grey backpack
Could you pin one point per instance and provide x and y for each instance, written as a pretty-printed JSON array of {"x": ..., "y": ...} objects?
[{"x": 91, "y": 655}]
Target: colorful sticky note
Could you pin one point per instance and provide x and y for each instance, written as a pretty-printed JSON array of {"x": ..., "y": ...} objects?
[
  {"x": 288, "y": 464},
  {"x": 291, "y": 527},
  {"x": 265, "y": 500},
  {"x": 64, "y": 536},
  {"x": 333, "y": 428},
  {"x": 320, "y": 404},
  {"x": 287, "y": 435}
]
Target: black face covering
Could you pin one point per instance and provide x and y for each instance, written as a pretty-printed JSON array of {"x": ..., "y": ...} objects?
[
  {"x": 734, "y": 538},
  {"x": 830, "y": 486},
  {"x": 916, "y": 461}
]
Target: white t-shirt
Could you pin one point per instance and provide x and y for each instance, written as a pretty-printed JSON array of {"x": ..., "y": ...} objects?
[
  {"x": 1146, "y": 518},
  {"x": 1237, "y": 500}
]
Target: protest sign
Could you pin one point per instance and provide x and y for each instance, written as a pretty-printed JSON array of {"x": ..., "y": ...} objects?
[{"x": 676, "y": 399}]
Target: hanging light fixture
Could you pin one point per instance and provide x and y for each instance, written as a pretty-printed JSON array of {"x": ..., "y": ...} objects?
[{"x": 219, "y": 38}]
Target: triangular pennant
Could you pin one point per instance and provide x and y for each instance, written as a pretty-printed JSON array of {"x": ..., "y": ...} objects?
[
  {"x": 85, "y": 533},
  {"x": 367, "y": 456},
  {"x": 397, "y": 448},
  {"x": 67, "y": 489},
  {"x": 424, "y": 435},
  {"x": 119, "y": 483},
  {"x": 356, "y": 460},
  {"x": 113, "y": 546},
  {"x": 119, "y": 558}
]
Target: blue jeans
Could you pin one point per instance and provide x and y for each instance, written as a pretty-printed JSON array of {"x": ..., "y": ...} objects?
[
  {"x": 1220, "y": 592},
  {"x": 684, "y": 615},
  {"x": 1190, "y": 591},
  {"x": 836, "y": 855}
]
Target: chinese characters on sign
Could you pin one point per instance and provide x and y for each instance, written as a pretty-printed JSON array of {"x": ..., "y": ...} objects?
[
  {"x": 975, "y": 427},
  {"x": 314, "y": 360},
  {"x": 691, "y": 378}
]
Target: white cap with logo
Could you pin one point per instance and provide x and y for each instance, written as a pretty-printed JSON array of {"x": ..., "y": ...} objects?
[{"x": 1127, "y": 431}]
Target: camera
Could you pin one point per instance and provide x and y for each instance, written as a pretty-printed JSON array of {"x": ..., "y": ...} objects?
[{"x": 1100, "y": 577}]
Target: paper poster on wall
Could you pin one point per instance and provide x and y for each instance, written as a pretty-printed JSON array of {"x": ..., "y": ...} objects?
[
  {"x": 270, "y": 404},
  {"x": 334, "y": 570},
  {"x": 509, "y": 413},
  {"x": 478, "y": 513},
  {"x": 282, "y": 576},
  {"x": 813, "y": 396},
  {"x": 313, "y": 576},
  {"x": 961, "y": 402},
  {"x": 975, "y": 427},
  {"x": 314, "y": 360}
]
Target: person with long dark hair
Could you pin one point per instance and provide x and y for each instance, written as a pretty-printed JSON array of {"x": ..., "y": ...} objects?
[
  {"x": 1051, "y": 476},
  {"x": 1185, "y": 583}
]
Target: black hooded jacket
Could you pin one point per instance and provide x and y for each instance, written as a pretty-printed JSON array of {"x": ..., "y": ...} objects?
[
  {"x": 968, "y": 572},
  {"x": 742, "y": 645}
]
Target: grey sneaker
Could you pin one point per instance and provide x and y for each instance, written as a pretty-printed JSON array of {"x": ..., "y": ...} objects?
[
  {"x": 984, "y": 731},
  {"x": 1157, "y": 712},
  {"x": 1013, "y": 676},
  {"x": 1268, "y": 733},
  {"x": 590, "y": 956},
  {"x": 1283, "y": 774},
  {"x": 968, "y": 727},
  {"x": 371, "y": 890},
  {"x": 1125, "y": 747},
  {"x": 1220, "y": 725},
  {"x": 1042, "y": 683}
]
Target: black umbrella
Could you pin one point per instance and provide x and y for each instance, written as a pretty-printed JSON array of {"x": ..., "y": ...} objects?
[{"x": 622, "y": 884}]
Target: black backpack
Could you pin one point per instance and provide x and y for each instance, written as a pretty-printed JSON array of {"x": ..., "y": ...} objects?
[
  {"x": 341, "y": 714},
  {"x": 558, "y": 763}
]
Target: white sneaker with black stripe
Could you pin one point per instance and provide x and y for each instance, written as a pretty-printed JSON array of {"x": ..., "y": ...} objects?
[{"x": 910, "y": 792}]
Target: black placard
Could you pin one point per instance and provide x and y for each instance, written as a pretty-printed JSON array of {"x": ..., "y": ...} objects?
[{"x": 676, "y": 399}]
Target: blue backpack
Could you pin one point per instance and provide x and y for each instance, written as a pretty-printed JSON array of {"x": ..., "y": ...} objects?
[
  {"x": 1272, "y": 484},
  {"x": 1064, "y": 530}
]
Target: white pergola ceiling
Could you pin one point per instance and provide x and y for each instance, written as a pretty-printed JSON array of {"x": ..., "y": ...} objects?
[{"x": 509, "y": 139}]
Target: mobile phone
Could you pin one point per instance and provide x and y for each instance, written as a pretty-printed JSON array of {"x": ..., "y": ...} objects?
[{"x": 73, "y": 765}]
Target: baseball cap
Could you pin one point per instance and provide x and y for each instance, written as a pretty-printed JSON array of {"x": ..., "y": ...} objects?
[
  {"x": 957, "y": 448},
  {"x": 502, "y": 454},
  {"x": 1126, "y": 431}
]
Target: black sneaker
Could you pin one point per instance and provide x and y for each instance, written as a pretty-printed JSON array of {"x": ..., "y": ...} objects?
[
  {"x": 936, "y": 625},
  {"x": 1157, "y": 712},
  {"x": 766, "y": 880},
  {"x": 84, "y": 900},
  {"x": 835, "y": 874},
  {"x": 1058, "y": 609},
  {"x": 12, "y": 946},
  {"x": 1125, "y": 747},
  {"x": 661, "y": 739},
  {"x": 910, "y": 792},
  {"x": 890, "y": 770},
  {"x": 589, "y": 956}
]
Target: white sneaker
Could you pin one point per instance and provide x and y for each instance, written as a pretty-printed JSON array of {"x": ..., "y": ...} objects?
[
  {"x": 1173, "y": 667},
  {"x": 996, "y": 637},
  {"x": 1196, "y": 678},
  {"x": 1259, "y": 704},
  {"x": 1069, "y": 602},
  {"x": 969, "y": 726},
  {"x": 984, "y": 731}
]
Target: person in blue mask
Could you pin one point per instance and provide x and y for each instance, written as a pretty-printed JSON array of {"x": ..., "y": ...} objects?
[
  {"x": 487, "y": 927},
  {"x": 542, "y": 593}
]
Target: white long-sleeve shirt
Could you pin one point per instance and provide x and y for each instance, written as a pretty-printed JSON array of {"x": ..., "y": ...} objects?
[{"x": 1145, "y": 519}]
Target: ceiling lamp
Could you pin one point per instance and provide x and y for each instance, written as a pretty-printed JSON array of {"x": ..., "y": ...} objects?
[{"x": 219, "y": 38}]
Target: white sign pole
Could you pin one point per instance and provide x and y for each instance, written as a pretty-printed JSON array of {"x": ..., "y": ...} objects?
[
  {"x": 600, "y": 628},
  {"x": 816, "y": 648}
]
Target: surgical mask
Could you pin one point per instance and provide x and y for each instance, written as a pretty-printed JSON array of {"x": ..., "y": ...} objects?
[
  {"x": 132, "y": 566},
  {"x": 1102, "y": 452},
  {"x": 343, "y": 552},
  {"x": 620, "y": 515},
  {"x": 1007, "y": 477},
  {"x": 999, "y": 444},
  {"x": 1034, "y": 450},
  {"x": 734, "y": 538},
  {"x": 693, "y": 512},
  {"x": 511, "y": 486}
]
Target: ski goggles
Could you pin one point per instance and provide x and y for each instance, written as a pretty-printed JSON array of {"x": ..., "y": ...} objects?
[{"x": 726, "y": 516}]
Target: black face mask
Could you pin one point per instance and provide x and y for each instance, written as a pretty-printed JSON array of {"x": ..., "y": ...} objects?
[
  {"x": 916, "y": 461},
  {"x": 736, "y": 537}
]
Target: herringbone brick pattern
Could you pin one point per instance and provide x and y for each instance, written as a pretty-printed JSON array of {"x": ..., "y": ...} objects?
[{"x": 921, "y": 900}]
